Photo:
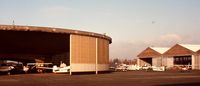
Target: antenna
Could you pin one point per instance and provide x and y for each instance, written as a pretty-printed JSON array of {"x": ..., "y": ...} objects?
[{"x": 13, "y": 23}]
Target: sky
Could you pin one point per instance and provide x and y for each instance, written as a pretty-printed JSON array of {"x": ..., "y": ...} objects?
[{"x": 133, "y": 25}]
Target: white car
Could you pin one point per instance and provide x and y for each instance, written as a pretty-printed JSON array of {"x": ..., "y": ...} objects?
[
  {"x": 154, "y": 68},
  {"x": 133, "y": 67},
  {"x": 121, "y": 67},
  {"x": 62, "y": 69}
]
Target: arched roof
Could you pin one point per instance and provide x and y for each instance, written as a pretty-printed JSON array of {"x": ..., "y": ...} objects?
[{"x": 53, "y": 30}]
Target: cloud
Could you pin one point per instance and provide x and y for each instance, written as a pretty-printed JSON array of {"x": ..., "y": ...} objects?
[
  {"x": 165, "y": 40},
  {"x": 168, "y": 37},
  {"x": 193, "y": 37},
  {"x": 171, "y": 39}
]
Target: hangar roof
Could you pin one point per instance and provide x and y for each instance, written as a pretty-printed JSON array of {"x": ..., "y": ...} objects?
[
  {"x": 53, "y": 30},
  {"x": 191, "y": 47},
  {"x": 182, "y": 50},
  {"x": 161, "y": 50},
  {"x": 151, "y": 52}
]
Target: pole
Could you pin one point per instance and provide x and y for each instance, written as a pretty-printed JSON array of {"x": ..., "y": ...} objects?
[
  {"x": 96, "y": 55},
  {"x": 70, "y": 55}
]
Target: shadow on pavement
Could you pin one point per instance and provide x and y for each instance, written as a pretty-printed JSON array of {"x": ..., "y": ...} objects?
[{"x": 182, "y": 84}]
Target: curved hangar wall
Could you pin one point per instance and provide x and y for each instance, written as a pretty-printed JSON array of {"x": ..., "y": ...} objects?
[{"x": 89, "y": 52}]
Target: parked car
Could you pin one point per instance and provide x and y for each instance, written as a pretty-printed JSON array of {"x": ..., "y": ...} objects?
[
  {"x": 133, "y": 67},
  {"x": 4, "y": 68},
  {"x": 11, "y": 68},
  {"x": 121, "y": 67},
  {"x": 18, "y": 69},
  {"x": 62, "y": 69},
  {"x": 39, "y": 67}
]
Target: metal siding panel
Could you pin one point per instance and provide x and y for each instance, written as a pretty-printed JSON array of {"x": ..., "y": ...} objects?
[
  {"x": 83, "y": 53},
  {"x": 83, "y": 49},
  {"x": 103, "y": 51}
]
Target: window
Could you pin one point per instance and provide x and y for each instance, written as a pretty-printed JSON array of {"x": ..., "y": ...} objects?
[{"x": 182, "y": 60}]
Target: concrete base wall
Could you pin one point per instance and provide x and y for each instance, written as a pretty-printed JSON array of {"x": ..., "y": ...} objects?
[
  {"x": 156, "y": 61},
  {"x": 169, "y": 62},
  {"x": 83, "y": 67},
  {"x": 196, "y": 62},
  {"x": 164, "y": 61},
  {"x": 138, "y": 62},
  {"x": 103, "y": 67},
  {"x": 88, "y": 67}
]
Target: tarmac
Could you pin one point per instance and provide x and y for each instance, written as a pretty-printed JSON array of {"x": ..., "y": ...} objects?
[{"x": 130, "y": 78}]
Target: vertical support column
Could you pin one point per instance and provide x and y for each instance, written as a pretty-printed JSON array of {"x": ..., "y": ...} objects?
[
  {"x": 70, "y": 55},
  {"x": 161, "y": 60},
  {"x": 198, "y": 56},
  {"x": 170, "y": 62},
  {"x": 96, "y": 67},
  {"x": 138, "y": 62},
  {"x": 193, "y": 62},
  {"x": 198, "y": 60}
]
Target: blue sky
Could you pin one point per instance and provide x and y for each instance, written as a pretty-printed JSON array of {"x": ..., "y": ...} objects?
[{"x": 133, "y": 24}]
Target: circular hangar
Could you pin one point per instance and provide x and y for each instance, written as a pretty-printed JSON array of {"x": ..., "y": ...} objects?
[{"x": 82, "y": 51}]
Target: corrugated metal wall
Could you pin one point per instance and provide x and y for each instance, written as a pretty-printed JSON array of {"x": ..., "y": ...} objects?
[
  {"x": 83, "y": 53},
  {"x": 103, "y": 51},
  {"x": 83, "y": 49},
  {"x": 103, "y": 54}
]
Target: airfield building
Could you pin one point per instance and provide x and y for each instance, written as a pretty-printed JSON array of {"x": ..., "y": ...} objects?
[
  {"x": 152, "y": 56},
  {"x": 176, "y": 56},
  {"x": 83, "y": 51},
  {"x": 184, "y": 54}
]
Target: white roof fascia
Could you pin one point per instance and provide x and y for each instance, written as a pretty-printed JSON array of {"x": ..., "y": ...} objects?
[{"x": 191, "y": 47}]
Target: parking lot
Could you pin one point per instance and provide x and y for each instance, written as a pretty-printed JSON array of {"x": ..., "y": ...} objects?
[{"x": 130, "y": 78}]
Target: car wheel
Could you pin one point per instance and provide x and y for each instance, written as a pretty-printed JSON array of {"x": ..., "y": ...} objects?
[{"x": 8, "y": 73}]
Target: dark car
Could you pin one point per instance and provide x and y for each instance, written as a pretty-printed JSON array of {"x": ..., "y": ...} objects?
[
  {"x": 18, "y": 69},
  {"x": 4, "y": 68}
]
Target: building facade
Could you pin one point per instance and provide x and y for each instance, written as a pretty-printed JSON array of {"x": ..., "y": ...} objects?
[
  {"x": 82, "y": 51},
  {"x": 152, "y": 56},
  {"x": 183, "y": 55},
  {"x": 179, "y": 55}
]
